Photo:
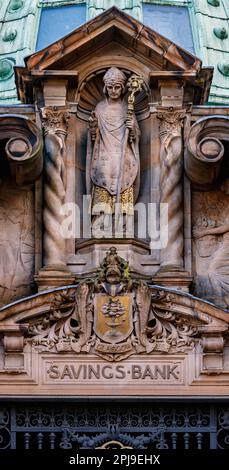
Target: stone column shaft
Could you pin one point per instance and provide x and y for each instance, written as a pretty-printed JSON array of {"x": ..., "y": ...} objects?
[
  {"x": 55, "y": 122},
  {"x": 171, "y": 160}
]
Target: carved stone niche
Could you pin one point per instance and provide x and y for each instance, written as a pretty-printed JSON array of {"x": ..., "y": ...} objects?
[
  {"x": 113, "y": 39},
  {"x": 23, "y": 147},
  {"x": 90, "y": 250},
  {"x": 76, "y": 339}
]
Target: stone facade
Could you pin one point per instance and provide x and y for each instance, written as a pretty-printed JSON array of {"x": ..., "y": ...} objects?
[
  {"x": 138, "y": 315},
  {"x": 21, "y": 26}
]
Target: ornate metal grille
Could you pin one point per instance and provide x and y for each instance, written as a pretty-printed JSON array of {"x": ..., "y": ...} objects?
[{"x": 80, "y": 426}]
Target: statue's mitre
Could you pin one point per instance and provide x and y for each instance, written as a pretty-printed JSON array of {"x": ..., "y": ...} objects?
[{"x": 114, "y": 75}]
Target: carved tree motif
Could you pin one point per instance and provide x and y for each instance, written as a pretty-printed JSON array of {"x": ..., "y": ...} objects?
[
  {"x": 171, "y": 123},
  {"x": 205, "y": 150},
  {"x": 55, "y": 123}
]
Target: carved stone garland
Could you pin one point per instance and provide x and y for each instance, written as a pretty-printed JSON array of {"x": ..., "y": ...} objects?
[
  {"x": 171, "y": 123},
  {"x": 55, "y": 123}
]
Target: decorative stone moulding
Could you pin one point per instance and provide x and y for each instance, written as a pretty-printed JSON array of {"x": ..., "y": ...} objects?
[
  {"x": 23, "y": 147},
  {"x": 6, "y": 69},
  {"x": 15, "y": 5},
  {"x": 214, "y": 3},
  {"x": 9, "y": 35},
  {"x": 220, "y": 33},
  {"x": 223, "y": 68},
  {"x": 205, "y": 150}
]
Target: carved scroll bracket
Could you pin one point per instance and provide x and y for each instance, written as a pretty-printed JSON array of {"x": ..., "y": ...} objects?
[
  {"x": 23, "y": 147},
  {"x": 13, "y": 343},
  {"x": 55, "y": 123},
  {"x": 205, "y": 150},
  {"x": 213, "y": 347}
]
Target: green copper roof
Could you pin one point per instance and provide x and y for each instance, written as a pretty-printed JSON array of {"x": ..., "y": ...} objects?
[
  {"x": 210, "y": 20},
  {"x": 19, "y": 20},
  {"x": 133, "y": 7},
  {"x": 18, "y": 28}
]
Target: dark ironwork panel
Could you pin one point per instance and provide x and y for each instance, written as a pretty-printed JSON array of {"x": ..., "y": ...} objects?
[{"x": 80, "y": 426}]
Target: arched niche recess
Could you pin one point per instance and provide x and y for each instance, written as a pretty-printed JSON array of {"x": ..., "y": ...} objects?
[{"x": 90, "y": 92}]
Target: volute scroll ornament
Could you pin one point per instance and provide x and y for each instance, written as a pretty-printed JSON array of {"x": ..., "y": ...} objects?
[
  {"x": 24, "y": 145},
  {"x": 205, "y": 150}
]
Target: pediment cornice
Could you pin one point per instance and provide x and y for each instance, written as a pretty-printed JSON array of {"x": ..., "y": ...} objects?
[
  {"x": 119, "y": 25},
  {"x": 112, "y": 39}
]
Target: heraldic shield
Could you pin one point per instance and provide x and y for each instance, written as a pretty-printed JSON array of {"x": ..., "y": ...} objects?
[{"x": 113, "y": 320}]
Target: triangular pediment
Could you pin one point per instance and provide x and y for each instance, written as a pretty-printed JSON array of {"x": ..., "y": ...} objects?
[
  {"x": 113, "y": 39},
  {"x": 113, "y": 26}
]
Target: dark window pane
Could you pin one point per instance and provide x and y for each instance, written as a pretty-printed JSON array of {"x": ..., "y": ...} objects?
[
  {"x": 56, "y": 22},
  {"x": 171, "y": 22}
]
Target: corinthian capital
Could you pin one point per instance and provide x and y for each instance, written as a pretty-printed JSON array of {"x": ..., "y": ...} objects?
[
  {"x": 55, "y": 119},
  {"x": 171, "y": 121}
]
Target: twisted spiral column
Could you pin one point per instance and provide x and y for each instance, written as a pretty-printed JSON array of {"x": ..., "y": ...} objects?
[
  {"x": 55, "y": 125},
  {"x": 171, "y": 123}
]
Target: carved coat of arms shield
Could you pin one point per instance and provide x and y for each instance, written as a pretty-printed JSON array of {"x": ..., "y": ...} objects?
[{"x": 113, "y": 320}]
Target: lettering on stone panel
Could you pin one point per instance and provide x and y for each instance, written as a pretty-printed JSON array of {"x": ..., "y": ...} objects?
[{"x": 144, "y": 372}]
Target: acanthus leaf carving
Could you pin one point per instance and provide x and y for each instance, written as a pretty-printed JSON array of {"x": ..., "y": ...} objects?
[
  {"x": 171, "y": 122},
  {"x": 55, "y": 118}
]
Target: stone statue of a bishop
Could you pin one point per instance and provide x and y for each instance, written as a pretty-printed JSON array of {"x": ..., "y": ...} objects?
[{"x": 110, "y": 157}]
